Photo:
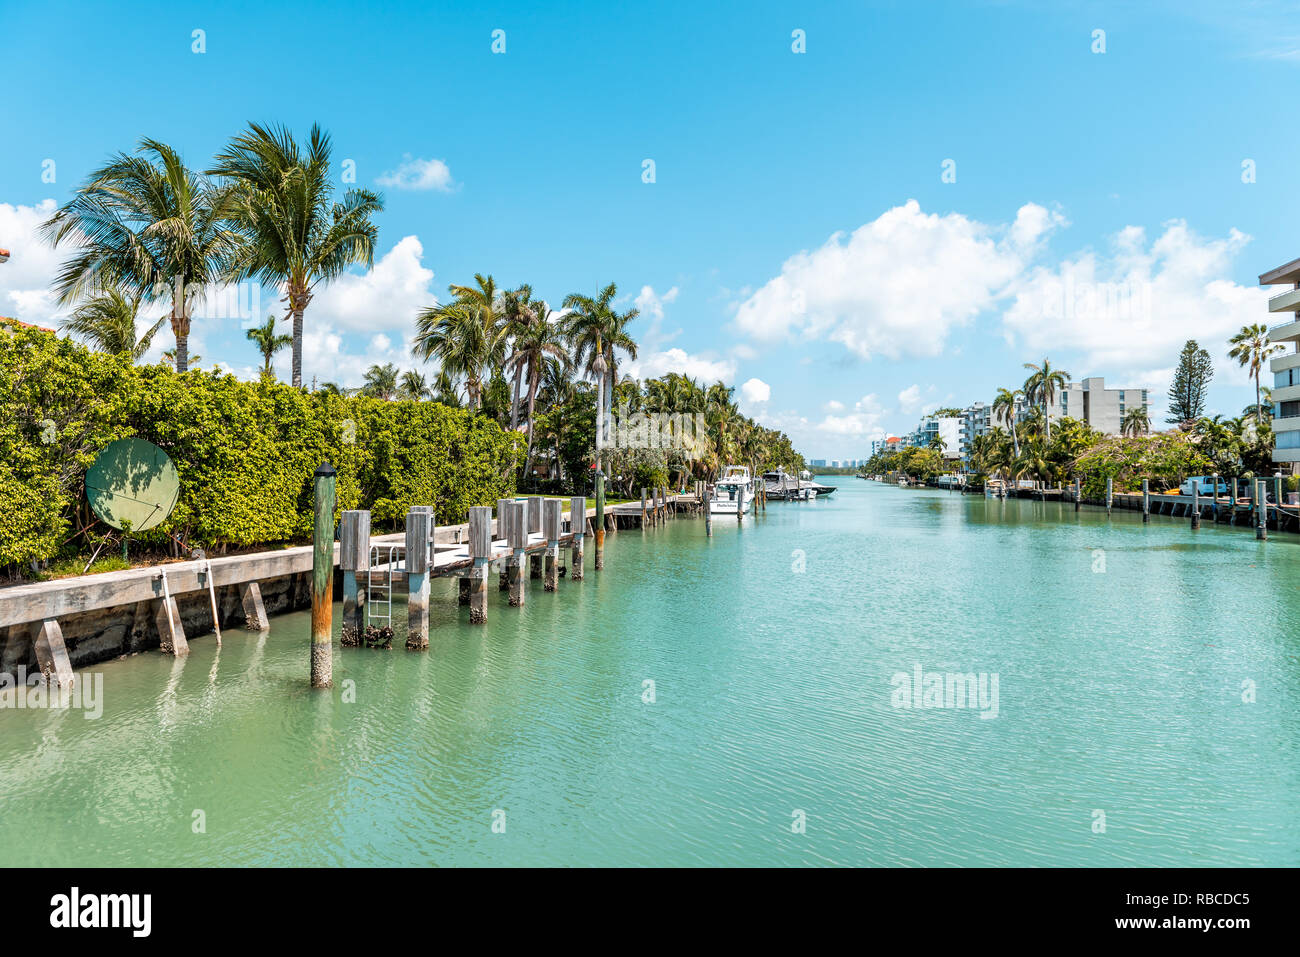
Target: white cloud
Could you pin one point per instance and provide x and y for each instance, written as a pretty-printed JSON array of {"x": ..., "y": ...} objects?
[
  {"x": 388, "y": 297},
  {"x": 897, "y": 285},
  {"x": 701, "y": 367},
  {"x": 863, "y": 422},
  {"x": 418, "y": 174},
  {"x": 834, "y": 406},
  {"x": 755, "y": 391},
  {"x": 26, "y": 278},
  {"x": 909, "y": 400}
]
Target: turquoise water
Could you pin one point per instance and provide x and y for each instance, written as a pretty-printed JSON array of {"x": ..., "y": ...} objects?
[{"x": 772, "y": 648}]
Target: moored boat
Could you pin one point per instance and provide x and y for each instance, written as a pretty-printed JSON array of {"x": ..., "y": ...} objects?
[{"x": 733, "y": 492}]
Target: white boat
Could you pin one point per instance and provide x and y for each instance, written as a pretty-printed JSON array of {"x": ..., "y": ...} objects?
[{"x": 733, "y": 492}]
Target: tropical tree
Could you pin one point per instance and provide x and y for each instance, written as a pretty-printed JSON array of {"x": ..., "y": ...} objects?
[
  {"x": 107, "y": 323},
  {"x": 413, "y": 387},
  {"x": 598, "y": 333},
  {"x": 292, "y": 233},
  {"x": 1042, "y": 387},
  {"x": 1004, "y": 409},
  {"x": 1187, "y": 392},
  {"x": 1136, "y": 421},
  {"x": 380, "y": 382},
  {"x": 268, "y": 342},
  {"x": 445, "y": 389},
  {"x": 1251, "y": 349},
  {"x": 518, "y": 312},
  {"x": 169, "y": 355},
  {"x": 536, "y": 341},
  {"x": 149, "y": 227},
  {"x": 466, "y": 340}
]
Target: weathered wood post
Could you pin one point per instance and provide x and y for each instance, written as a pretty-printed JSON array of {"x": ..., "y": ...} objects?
[
  {"x": 577, "y": 525},
  {"x": 1214, "y": 498},
  {"x": 1146, "y": 501},
  {"x": 1078, "y": 493},
  {"x": 480, "y": 550},
  {"x": 1232, "y": 500},
  {"x": 52, "y": 654},
  {"x": 322, "y": 578},
  {"x": 505, "y": 508},
  {"x": 250, "y": 598},
  {"x": 518, "y": 528},
  {"x": 1277, "y": 501},
  {"x": 1254, "y": 501},
  {"x": 600, "y": 520},
  {"x": 535, "y": 528},
  {"x": 1110, "y": 493},
  {"x": 1196, "y": 505},
  {"x": 740, "y": 506},
  {"x": 708, "y": 515},
  {"x": 419, "y": 533},
  {"x": 167, "y": 616},
  {"x": 354, "y": 558},
  {"x": 1261, "y": 510},
  {"x": 643, "y": 513},
  {"x": 552, "y": 522}
]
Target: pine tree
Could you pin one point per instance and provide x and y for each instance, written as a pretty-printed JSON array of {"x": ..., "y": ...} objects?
[{"x": 1187, "y": 394}]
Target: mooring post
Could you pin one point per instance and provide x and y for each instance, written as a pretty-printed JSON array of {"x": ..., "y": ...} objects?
[
  {"x": 517, "y": 527},
  {"x": 354, "y": 557},
  {"x": 1196, "y": 505},
  {"x": 480, "y": 550},
  {"x": 1261, "y": 510},
  {"x": 1146, "y": 501},
  {"x": 1277, "y": 501},
  {"x": 1110, "y": 493},
  {"x": 322, "y": 578},
  {"x": 552, "y": 522},
  {"x": 600, "y": 520},
  {"x": 535, "y": 528},
  {"x": 419, "y": 533},
  {"x": 1214, "y": 497},
  {"x": 1254, "y": 500},
  {"x": 52, "y": 653},
  {"x": 167, "y": 616},
  {"x": 505, "y": 507},
  {"x": 643, "y": 514},
  {"x": 1077, "y": 493},
  {"x": 708, "y": 516},
  {"x": 577, "y": 525}
]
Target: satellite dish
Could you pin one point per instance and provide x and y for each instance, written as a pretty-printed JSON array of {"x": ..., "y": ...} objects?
[{"x": 132, "y": 481}]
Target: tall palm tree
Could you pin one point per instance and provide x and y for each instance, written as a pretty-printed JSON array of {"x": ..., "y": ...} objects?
[
  {"x": 465, "y": 338},
  {"x": 1042, "y": 387},
  {"x": 107, "y": 323},
  {"x": 1004, "y": 408},
  {"x": 292, "y": 232},
  {"x": 413, "y": 387},
  {"x": 1136, "y": 421},
  {"x": 1251, "y": 349},
  {"x": 268, "y": 342},
  {"x": 445, "y": 389},
  {"x": 534, "y": 343},
  {"x": 518, "y": 312},
  {"x": 380, "y": 382},
  {"x": 599, "y": 333},
  {"x": 170, "y": 356},
  {"x": 149, "y": 226}
]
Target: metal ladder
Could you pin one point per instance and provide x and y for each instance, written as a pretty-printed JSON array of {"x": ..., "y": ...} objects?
[{"x": 379, "y": 585}]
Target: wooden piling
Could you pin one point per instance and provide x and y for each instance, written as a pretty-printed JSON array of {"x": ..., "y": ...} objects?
[
  {"x": 322, "y": 577},
  {"x": 552, "y": 521},
  {"x": 600, "y": 520},
  {"x": 167, "y": 617},
  {"x": 1196, "y": 506},
  {"x": 1261, "y": 511},
  {"x": 644, "y": 517},
  {"x": 1214, "y": 498},
  {"x": 1110, "y": 493},
  {"x": 419, "y": 533},
  {"x": 1078, "y": 493},
  {"x": 535, "y": 528},
  {"x": 505, "y": 508},
  {"x": 708, "y": 517},
  {"x": 517, "y": 526},
  {"x": 354, "y": 560},
  {"x": 480, "y": 550},
  {"x": 1146, "y": 501},
  {"x": 577, "y": 522}
]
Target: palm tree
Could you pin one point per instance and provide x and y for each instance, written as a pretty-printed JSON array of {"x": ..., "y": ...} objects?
[
  {"x": 1136, "y": 421},
  {"x": 380, "y": 382},
  {"x": 598, "y": 333},
  {"x": 466, "y": 339},
  {"x": 1251, "y": 349},
  {"x": 268, "y": 342},
  {"x": 413, "y": 387},
  {"x": 145, "y": 224},
  {"x": 518, "y": 312},
  {"x": 535, "y": 342},
  {"x": 1042, "y": 386},
  {"x": 292, "y": 232},
  {"x": 170, "y": 356},
  {"x": 107, "y": 323},
  {"x": 1004, "y": 408},
  {"x": 445, "y": 389}
]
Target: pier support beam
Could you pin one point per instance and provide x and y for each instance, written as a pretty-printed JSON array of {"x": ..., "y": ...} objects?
[
  {"x": 600, "y": 519},
  {"x": 1110, "y": 493},
  {"x": 419, "y": 533},
  {"x": 552, "y": 519},
  {"x": 577, "y": 523},
  {"x": 535, "y": 528},
  {"x": 1077, "y": 493},
  {"x": 1261, "y": 511},
  {"x": 354, "y": 560},
  {"x": 1196, "y": 506},
  {"x": 1146, "y": 501},
  {"x": 255, "y": 617},
  {"x": 322, "y": 577},
  {"x": 480, "y": 549},
  {"x": 517, "y": 529},
  {"x": 505, "y": 509},
  {"x": 167, "y": 616},
  {"x": 52, "y": 654},
  {"x": 462, "y": 590}
]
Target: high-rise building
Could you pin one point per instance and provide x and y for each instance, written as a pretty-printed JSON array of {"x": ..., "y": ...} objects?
[{"x": 1286, "y": 367}]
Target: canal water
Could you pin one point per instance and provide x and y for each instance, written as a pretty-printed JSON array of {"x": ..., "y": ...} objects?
[{"x": 731, "y": 701}]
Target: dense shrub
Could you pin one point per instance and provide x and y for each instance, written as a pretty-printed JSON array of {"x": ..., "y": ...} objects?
[
  {"x": 1167, "y": 457},
  {"x": 244, "y": 451}
]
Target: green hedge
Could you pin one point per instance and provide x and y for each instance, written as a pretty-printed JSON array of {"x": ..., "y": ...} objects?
[{"x": 244, "y": 451}]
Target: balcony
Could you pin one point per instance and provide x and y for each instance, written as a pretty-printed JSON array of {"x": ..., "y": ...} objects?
[
  {"x": 1288, "y": 301},
  {"x": 1285, "y": 332}
]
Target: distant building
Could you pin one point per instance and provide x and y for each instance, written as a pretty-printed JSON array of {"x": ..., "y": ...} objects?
[
  {"x": 815, "y": 463},
  {"x": 975, "y": 421},
  {"x": 1089, "y": 401},
  {"x": 1286, "y": 367}
]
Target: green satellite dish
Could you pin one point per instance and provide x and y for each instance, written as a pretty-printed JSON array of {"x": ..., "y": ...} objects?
[{"x": 132, "y": 481}]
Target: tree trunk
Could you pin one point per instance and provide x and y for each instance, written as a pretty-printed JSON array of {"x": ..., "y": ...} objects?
[
  {"x": 181, "y": 329},
  {"x": 532, "y": 398},
  {"x": 297, "y": 348},
  {"x": 514, "y": 406}
]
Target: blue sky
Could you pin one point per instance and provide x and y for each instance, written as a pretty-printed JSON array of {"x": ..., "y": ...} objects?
[{"x": 798, "y": 240}]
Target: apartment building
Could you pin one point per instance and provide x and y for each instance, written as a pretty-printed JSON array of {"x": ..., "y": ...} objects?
[
  {"x": 1089, "y": 401},
  {"x": 1286, "y": 367},
  {"x": 975, "y": 421}
]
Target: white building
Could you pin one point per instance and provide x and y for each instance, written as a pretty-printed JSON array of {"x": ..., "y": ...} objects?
[
  {"x": 1089, "y": 401},
  {"x": 1286, "y": 367}
]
